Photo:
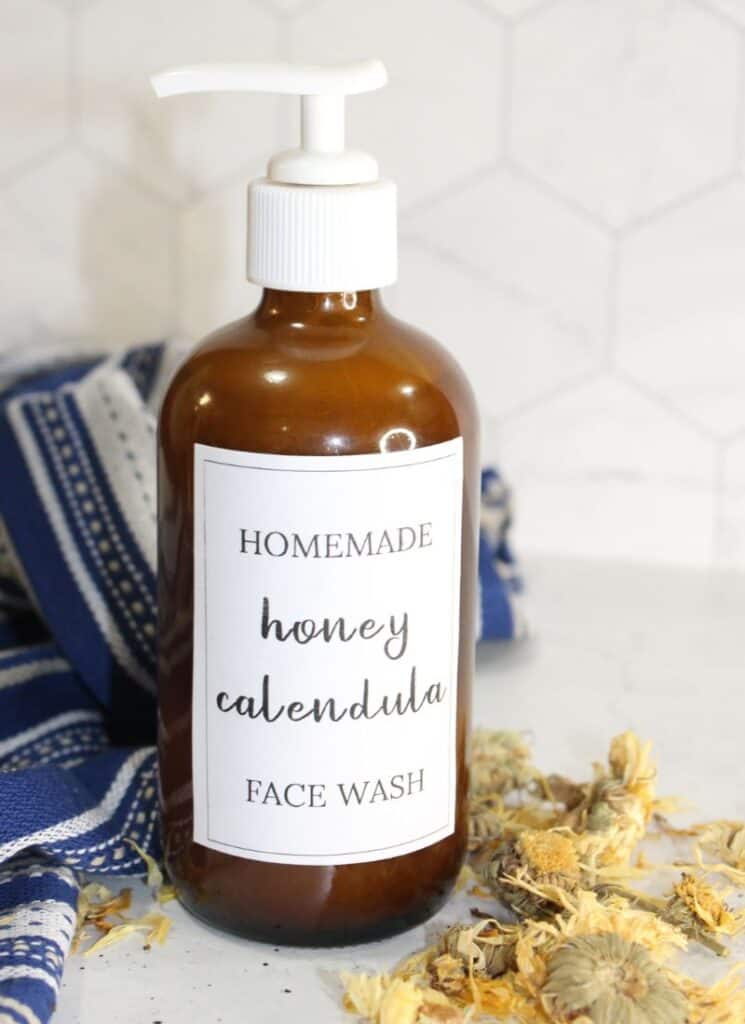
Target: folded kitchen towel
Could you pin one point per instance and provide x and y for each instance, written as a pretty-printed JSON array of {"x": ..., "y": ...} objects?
[{"x": 78, "y": 774}]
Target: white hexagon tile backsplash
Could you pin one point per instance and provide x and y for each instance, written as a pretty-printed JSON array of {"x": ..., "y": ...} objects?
[
  {"x": 681, "y": 309},
  {"x": 623, "y": 106},
  {"x": 34, "y": 59},
  {"x": 572, "y": 182},
  {"x": 185, "y": 145},
  {"x": 526, "y": 240},
  {"x": 437, "y": 120},
  {"x": 87, "y": 251},
  {"x": 530, "y": 350}
]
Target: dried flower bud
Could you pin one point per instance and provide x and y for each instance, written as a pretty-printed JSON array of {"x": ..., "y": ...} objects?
[
  {"x": 700, "y": 911},
  {"x": 600, "y": 816},
  {"x": 486, "y": 949},
  {"x": 540, "y": 861},
  {"x": 448, "y": 973},
  {"x": 500, "y": 762},
  {"x": 586, "y": 949},
  {"x": 609, "y": 980},
  {"x": 484, "y": 821}
]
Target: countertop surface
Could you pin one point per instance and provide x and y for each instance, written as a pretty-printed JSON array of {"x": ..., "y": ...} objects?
[{"x": 660, "y": 651}]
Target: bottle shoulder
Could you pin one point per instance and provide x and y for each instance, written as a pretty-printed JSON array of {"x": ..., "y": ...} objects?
[{"x": 292, "y": 386}]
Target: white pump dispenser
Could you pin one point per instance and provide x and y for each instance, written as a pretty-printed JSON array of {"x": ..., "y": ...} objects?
[{"x": 321, "y": 220}]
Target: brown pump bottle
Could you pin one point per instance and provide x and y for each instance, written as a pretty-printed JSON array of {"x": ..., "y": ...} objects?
[{"x": 318, "y": 503}]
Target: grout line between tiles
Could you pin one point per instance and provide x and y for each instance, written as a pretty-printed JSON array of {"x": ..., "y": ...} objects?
[
  {"x": 521, "y": 170},
  {"x": 718, "y": 14},
  {"x": 681, "y": 202},
  {"x": 9, "y": 178},
  {"x": 565, "y": 387},
  {"x": 128, "y": 175},
  {"x": 448, "y": 191},
  {"x": 519, "y": 295},
  {"x": 664, "y": 403}
]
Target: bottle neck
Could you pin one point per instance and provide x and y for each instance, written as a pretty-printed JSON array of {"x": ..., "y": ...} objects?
[{"x": 327, "y": 309}]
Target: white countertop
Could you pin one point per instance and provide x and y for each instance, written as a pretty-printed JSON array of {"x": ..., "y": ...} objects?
[{"x": 660, "y": 651}]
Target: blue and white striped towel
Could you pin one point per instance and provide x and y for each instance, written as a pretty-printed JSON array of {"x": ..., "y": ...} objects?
[{"x": 77, "y": 648}]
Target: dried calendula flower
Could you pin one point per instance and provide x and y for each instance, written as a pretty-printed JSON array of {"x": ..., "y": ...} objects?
[
  {"x": 692, "y": 909},
  {"x": 487, "y": 948},
  {"x": 587, "y": 914},
  {"x": 440, "y": 1013},
  {"x": 629, "y": 785},
  {"x": 607, "y": 980},
  {"x": 549, "y": 855},
  {"x": 500, "y": 762},
  {"x": 725, "y": 841},
  {"x": 587, "y": 948},
  {"x": 721, "y": 1003},
  {"x": 154, "y": 873},
  {"x": 485, "y": 822},
  {"x": 630, "y": 762},
  {"x": 385, "y": 1000},
  {"x": 524, "y": 872},
  {"x": 100, "y": 908},
  {"x": 154, "y": 924},
  {"x": 363, "y": 993},
  {"x": 699, "y": 909},
  {"x": 162, "y": 891},
  {"x": 166, "y": 893},
  {"x": 613, "y": 817},
  {"x": 448, "y": 973}
]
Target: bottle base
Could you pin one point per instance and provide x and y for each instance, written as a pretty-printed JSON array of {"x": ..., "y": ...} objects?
[{"x": 285, "y": 933}]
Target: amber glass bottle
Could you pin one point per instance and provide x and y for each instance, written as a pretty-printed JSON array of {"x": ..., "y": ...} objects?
[
  {"x": 318, "y": 477},
  {"x": 308, "y": 374}
]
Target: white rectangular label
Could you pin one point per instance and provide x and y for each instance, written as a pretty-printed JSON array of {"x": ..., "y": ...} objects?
[{"x": 326, "y": 620}]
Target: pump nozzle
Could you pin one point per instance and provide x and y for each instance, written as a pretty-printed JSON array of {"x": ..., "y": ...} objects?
[
  {"x": 321, "y": 158},
  {"x": 341, "y": 237}
]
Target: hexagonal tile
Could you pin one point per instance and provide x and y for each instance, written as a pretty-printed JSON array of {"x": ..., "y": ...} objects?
[
  {"x": 512, "y": 352},
  {"x": 437, "y": 118},
  {"x": 20, "y": 294},
  {"x": 524, "y": 240},
  {"x": 730, "y": 536},
  {"x": 601, "y": 471},
  {"x": 33, "y": 80},
  {"x": 611, "y": 107},
  {"x": 86, "y": 254},
  {"x": 681, "y": 308},
  {"x": 212, "y": 252},
  {"x": 185, "y": 144}
]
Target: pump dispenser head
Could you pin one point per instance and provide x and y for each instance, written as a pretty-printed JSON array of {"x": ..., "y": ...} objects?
[{"x": 321, "y": 220}]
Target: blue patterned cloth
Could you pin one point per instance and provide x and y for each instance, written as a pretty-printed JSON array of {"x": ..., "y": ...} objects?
[{"x": 77, "y": 648}]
